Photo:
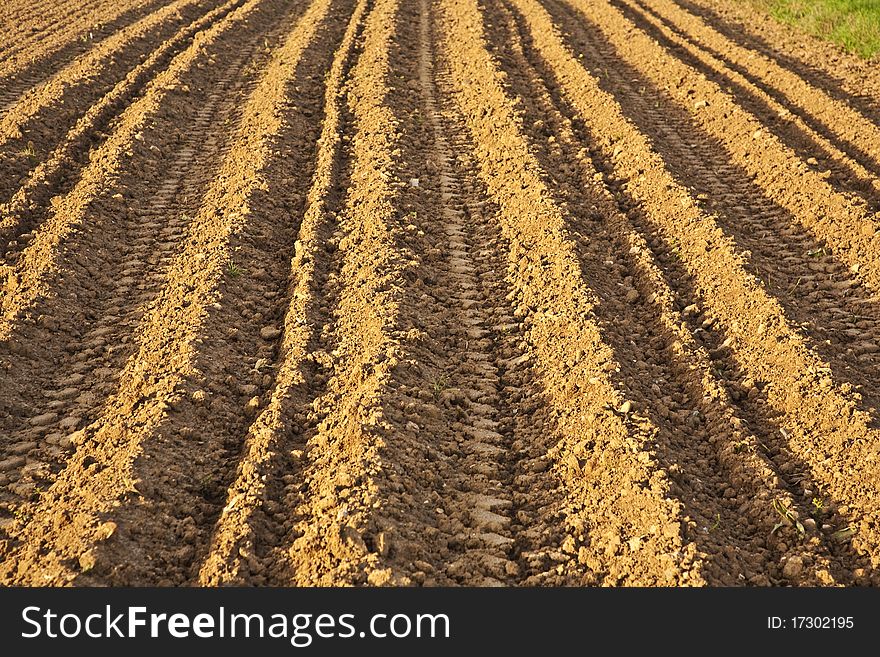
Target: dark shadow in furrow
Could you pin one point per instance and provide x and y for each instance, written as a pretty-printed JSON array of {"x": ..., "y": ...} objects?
[
  {"x": 53, "y": 62},
  {"x": 734, "y": 545},
  {"x": 275, "y": 523},
  {"x": 453, "y": 364},
  {"x": 418, "y": 530},
  {"x": 50, "y": 18},
  {"x": 789, "y": 133},
  {"x": 739, "y": 34},
  {"x": 113, "y": 274},
  {"x": 45, "y": 129},
  {"x": 758, "y": 418},
  {"x": 186, "y": 467},
  {"x": 796, "y": 267}
]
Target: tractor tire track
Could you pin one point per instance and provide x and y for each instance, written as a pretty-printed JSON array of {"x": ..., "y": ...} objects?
[
  {"x": 58, "y": 41},
  {"x": 753, "y": 325},
  {"x": 177, "y": 233},
  {"x": 722, "y": 479},
  {"x": 57, "y": 173}
]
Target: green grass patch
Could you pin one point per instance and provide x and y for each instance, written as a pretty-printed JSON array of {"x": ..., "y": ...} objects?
[{"x": 854, "y": 24}]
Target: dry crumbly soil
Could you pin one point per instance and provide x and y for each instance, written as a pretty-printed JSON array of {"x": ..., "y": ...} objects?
[{"x": 436, "y": 292}]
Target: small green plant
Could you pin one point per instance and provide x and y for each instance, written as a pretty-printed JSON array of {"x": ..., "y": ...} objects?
[
  {"x": 441, "y": 383},
  {"x": 717, "y": 523},
  {"x": 233, "y": 270},
  {"x": 207, "y": 485},
  {"x": 741, "y": 446},
  {"x": 29, "y": 151},
  {"x": 22, "y": 514},
  {"x": 788, "y": 518},
  {"x": 818, "y": 505}
]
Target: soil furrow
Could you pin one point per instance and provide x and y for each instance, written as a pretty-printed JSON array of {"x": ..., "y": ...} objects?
[
  {"x": 255, "y": 517},
  {"x": 605, "y": 455},
  {"x": 846, "y": 77},
  {"x": 189, "y": 461},
  {"x": 113, "y": 467},
  {"x": 466, "y": 360},
  {"x": 32, "y": 129},
  {"x": 724, "y": 482},
  {"x": 826, "y": 431},
  {"x": 45, "y": 50},
  {"x": 814, "y": 143},
  {"x": 93, "y": 329},
  {"x": 326, "y": 543},
  {"x": 485, "y": 502},
  {"x": 844, "y": 224},
  {"x": 854, "y": 133},
  {"x": 819, "y": 294},
  {"x": 15, "y": 112},
  {"x": 38, "y": 19},
  {"x": 55, "y": 175},
  {"x": 28, "y": 277}
]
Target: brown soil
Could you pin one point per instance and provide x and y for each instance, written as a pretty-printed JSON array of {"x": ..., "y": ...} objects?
[{"x": 435, "y": 292}]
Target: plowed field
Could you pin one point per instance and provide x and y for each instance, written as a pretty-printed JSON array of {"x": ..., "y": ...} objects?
[{"x": 435, "y": 292}]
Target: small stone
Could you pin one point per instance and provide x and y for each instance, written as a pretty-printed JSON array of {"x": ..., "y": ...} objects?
[
  {"x": 424, "y": 566},
  {"x": 539, "y": 465},
  {"x": 253, "y": 405},
  {"x": 269, "y": 332},
  {"x": 625, "y": 407},
  {"x": 66, "y": 393},
  {"x": 632, "y": 296},
  {"x": 23, "y": 448},
  {"x": 793, "y": 567},
  {"x": 354, "y": 540},
  {"x": 87, "y": 561},
  {"x": 106, "y": 530},
  {"x": 412, "y": 427},
  {"x": 381, "y": 577},
  {"x": 413, "y": 182},
  {"x": 583, "y": 555}
]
